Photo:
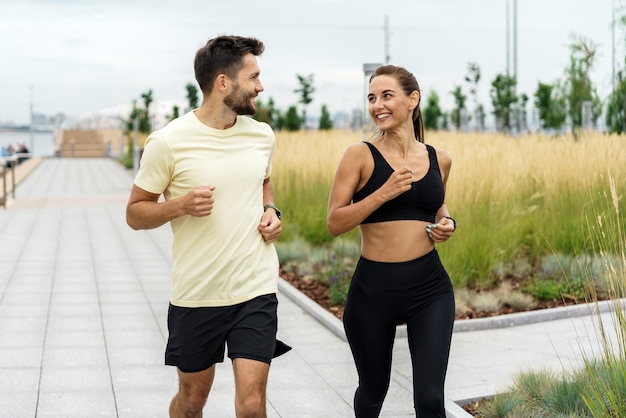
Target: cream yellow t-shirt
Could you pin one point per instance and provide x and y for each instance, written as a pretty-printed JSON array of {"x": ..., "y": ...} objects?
[{"x": 220, "y": 259}]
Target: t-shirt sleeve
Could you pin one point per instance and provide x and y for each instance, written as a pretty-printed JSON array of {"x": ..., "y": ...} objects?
[
  {"x": 268, "y": 169},
  {"x": 155, "y": 169}
]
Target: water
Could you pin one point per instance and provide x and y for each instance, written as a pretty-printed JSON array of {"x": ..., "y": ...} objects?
[{"x": 42, "y": 142}]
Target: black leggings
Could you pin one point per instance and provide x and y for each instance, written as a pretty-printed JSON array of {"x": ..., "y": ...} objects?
[{"x": 384, "y": 295}]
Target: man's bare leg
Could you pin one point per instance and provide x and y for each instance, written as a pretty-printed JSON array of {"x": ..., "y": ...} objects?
[
  {"x": 250, "y": 388},
  {"x": 193, "y": 391}
]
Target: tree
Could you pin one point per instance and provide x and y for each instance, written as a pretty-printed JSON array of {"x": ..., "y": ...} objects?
[
  {"x": 616, "y": 103},
  {"x": 616, "y": 107},
  {"x": 192, "y": 96},
  {"x": 432, "y": 112},
  {"x": 268, "y": 114},
  {"x": 578, "y": 85},
  {"x": 306, "y": 91},
  {"x": 262, "y": 113},
  {"x": 175, "y": 113},
  {"x": 326, "y": 123},
  {"x": 551, "y": 106},
  {"x": 292, "y": 121},
  {"x": 145, "y": 125},
  {"x": 140, "y": 117},
  {"x": 473, "y": 77},
  {"x": 503, "y": 98},
  {"x": 458, "y": 118}
]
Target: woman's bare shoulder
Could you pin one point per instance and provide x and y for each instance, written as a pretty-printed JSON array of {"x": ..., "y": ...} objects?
[{"x": 356, "y": 150}]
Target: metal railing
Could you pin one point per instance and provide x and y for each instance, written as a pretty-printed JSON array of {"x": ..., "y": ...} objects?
[{"x": 8, "y": 164}]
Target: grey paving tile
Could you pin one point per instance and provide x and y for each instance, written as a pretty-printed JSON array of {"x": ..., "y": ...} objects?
[
  {"x": 133, "y": 356},
  {"x": 74, "y": 338},
  {"x": 75, "y": 310},
  {"x": 75, "y": 356},
  {"x": 17, "y": 380},
  {"x": 324, "y": 401},
  {"x": 17, "y": 309},
  {"x": 143, "y": 402},
  {"x": 19, "y": 404},
  {"x": 138, "y": 378},
  {"x": 75, "y": 379},
  {"x": 22, "y": 323},
  {"x": 134, "y": 338},
  {"x": 21, "y": 339},
  {"x": 76, "y": 404},
  {"x": 70, "y": 322},
  {"x": 20, "y": 357}
]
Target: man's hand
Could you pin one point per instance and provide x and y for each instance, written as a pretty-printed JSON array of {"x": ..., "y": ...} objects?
[
  {"x": 199, "y": 201},
  {"x": 270, "y": 226}
]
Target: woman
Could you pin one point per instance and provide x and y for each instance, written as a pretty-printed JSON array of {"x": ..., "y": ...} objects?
[{"x": 393, "y": 188}]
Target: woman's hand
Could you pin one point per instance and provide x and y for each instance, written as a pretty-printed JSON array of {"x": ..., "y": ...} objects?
[
  {"x": 442, "y": 230},
  {"x": 399, "y": 182}
]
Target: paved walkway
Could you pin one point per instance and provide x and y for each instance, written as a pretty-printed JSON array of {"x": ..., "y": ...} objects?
[{"x": 83, "y": 302}]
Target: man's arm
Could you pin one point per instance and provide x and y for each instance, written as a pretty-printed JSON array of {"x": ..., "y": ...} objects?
[
  {"x": 270, "y": 226},
  {"x": 144, "y": 211}
]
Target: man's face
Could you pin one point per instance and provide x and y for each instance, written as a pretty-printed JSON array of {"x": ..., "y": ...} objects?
[{"x": 242, "y": 98}]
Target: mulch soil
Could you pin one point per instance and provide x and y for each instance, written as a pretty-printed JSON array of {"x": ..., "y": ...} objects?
[{"x": 319, "y": 293}]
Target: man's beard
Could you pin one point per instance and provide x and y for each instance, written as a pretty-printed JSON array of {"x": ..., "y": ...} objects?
[{"x": 240, "y": 102}]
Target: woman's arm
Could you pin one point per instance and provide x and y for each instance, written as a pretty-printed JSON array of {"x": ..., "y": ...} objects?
[
  {"x": 444, "y": 226},
  {"x": 343, "y": 215}
]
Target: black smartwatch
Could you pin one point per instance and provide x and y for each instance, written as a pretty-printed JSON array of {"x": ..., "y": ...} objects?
[{"x": 278, "y": 213}]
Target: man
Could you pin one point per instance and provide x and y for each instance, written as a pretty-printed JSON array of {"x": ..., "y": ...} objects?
[{"x": 213, "y": 167}]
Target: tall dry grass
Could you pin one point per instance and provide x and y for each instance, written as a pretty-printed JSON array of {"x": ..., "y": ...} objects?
[
  {"x": 513, "y": 198},
  {"x": 598, "y": 388}
]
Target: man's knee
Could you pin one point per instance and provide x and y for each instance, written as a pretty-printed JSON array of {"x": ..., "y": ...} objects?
[
  {"x": 194, "y": 401},
  {"x": 252, "y": 406},
  {"x": 193, "y": 392}
]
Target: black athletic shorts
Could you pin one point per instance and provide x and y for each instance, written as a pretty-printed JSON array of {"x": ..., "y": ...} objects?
[{"x": 198, "y": 336}]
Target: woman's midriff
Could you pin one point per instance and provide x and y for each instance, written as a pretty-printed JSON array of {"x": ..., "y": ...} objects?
[{"x": 395, "y": 241}]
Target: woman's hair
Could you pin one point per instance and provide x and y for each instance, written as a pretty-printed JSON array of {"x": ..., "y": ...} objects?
[
  {"x": 223, "y": 55},
  {"x": 409, "y": 84}
]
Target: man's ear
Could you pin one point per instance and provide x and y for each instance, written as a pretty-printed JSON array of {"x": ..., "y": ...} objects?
[{"x": 221, "y": 82}]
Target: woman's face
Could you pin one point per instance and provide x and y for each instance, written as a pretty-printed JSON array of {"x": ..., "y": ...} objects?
[{"x": 388, "y": 105}]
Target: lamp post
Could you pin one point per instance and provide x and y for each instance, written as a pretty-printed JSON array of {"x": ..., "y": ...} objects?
[
  {"x": 32, "y": 122},
  {"x": 512, "y": 31},
  {"x": 613, "y": 44},
  {"x": 368, "y": 70}
]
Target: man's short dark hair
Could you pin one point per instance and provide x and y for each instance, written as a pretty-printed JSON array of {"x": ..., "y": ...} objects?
[{"x": 223, "y": 55}]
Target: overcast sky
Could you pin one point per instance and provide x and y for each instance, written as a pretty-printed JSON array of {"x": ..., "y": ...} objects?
[{"x": 81, "y": 57}]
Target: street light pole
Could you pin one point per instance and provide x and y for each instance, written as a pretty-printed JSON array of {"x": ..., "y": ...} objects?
[
  {"x": 613, "y": 43},
  {"x": 32, "y": 122},
  {"x": 368, "y": 70},
  {"x": 508, "y": 39}
]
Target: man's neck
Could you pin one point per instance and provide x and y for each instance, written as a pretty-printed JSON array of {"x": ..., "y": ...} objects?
[{"x": 216, "y": 116}]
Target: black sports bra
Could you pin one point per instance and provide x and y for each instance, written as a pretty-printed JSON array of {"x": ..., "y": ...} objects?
[{"x": 420, "y": 203}]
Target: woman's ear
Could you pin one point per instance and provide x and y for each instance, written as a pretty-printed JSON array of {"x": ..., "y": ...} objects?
[{"x": 414, "y": 99}]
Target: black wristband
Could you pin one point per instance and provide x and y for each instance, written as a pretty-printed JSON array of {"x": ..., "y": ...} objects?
[
  {"x": 453, "y": 221},
  {"x": 278, "y": 213}
]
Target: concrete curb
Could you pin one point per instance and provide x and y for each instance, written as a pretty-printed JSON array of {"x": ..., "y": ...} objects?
[{"x": 464, "y": 325}]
